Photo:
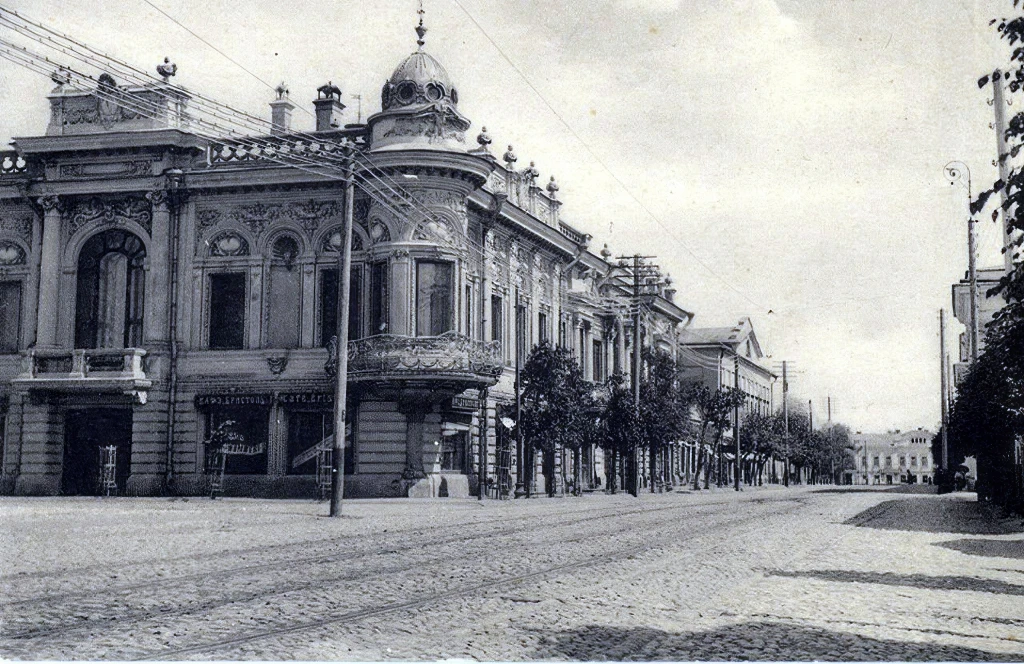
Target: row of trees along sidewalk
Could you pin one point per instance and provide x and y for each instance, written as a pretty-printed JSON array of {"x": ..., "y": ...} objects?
[
  {"x": 562, "y": 412},
  {"x": 987, "y": 417}
]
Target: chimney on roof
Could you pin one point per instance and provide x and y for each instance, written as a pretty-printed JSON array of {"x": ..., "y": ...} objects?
[
  {"x": 281, "y": 112},
  {"x": 328, "y": 107}
]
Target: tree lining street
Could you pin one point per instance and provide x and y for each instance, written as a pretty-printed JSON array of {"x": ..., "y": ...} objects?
[{"x": 763, "y": 574}]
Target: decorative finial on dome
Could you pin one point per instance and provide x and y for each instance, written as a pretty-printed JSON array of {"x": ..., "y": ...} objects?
[
  {"x": 483, "y": 139},
  {"x": 553, "y": 192},
  {"x": 606, "y": 253},
  {"x": 420, "y": 29},
  {"x": 167, "y": 69},
  {"x": 510, "y": 157},
  {"x": 668, "y": 280}
]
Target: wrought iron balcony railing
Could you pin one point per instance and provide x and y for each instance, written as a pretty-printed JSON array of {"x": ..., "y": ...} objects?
[{"x": 448, "y": 356}]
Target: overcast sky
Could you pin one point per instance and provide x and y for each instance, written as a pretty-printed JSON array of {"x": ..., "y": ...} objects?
[{"x": 793, "y": 147}]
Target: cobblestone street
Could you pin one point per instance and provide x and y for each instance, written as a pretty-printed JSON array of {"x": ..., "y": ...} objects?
[{"x": 774, "y": 574}]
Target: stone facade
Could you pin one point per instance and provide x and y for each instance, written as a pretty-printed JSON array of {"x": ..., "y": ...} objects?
[{"x": 160, "y": 289}]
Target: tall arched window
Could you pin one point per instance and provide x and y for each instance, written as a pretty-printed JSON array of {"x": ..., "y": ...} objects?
[
  {"x": 285, "y": 296},
  {"x": 111, "y": 291}
]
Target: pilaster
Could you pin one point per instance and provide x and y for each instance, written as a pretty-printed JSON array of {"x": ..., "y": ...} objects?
[{"x": 49, "y": 272}]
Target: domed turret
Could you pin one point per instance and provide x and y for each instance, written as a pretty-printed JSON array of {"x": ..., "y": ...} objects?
[
  {"x": 419, "y": 107},
  {"x": 419, "y": 80}
]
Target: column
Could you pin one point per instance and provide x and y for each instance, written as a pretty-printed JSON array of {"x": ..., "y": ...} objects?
[
  {"x": 158, "y": 259},
  {"x": 399, "y": 294},
  {"x": 49, "y": 273}
]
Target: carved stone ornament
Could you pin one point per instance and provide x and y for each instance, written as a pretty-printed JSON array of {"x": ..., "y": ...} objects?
[
  {"x": 277, "y": 365},
  {"x": 332, "y": 242},
  {"x": 379, "y": 232},
  {"x": 20, "y": 226},
  {"x": 312, "y": 214},
  {"x": 158, "y": 197},
  {"x": 119, "y": 212},
  {"x": 119, "y": 169},
  {"x": 229, "y": 244},
  {"x": 50, "y": 202},
  {"x": 257, "y": 217},
  {"x": 207, "y": 218},
  {"x": 11, "y": 254}
]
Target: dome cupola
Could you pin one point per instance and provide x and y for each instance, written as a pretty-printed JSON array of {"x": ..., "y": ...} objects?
[{"x": 419, "y": 106}]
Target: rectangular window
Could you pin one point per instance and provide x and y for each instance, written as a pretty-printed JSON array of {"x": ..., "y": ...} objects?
[
  {"x": 247, "y": 434},
  {"x": 598, "y": 361},
  {"x": 328, "y": 306},
  {"x": 875, "y": 462},
  {"x": 563, "y": 334},
  {"x": 453, "y": 452},
  {"x": 306, "y": 430},
  {"x": 581, "y": 347},
  {"x": 497, "y": 327},
  {"x": 10, "y": 315},
  {"x": 378, "y": 298},
  {"x": 522, "y": 333},
  {"x": 468, "y": 304},
  {"x": 284, "y": 307},
  {"x": 227, "y": 311},
  {"x": 434, "y": 289},
  {"x": 913, "y": 462},
  {"x": 542, "y": 327}
]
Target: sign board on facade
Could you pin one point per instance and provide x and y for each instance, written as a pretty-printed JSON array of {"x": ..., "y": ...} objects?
[
  {"x": 306, "y": 398},
  {"x": 207, "y": 400}
]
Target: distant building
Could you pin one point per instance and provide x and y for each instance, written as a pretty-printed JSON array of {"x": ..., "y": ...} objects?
[
  {"x": 988, "y": 278},
  {"x": 894, "y": 457},
  {"x": 720, "y": 357}
]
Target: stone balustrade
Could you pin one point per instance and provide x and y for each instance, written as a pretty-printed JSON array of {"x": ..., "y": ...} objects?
[{"x": 98, "y": 370}]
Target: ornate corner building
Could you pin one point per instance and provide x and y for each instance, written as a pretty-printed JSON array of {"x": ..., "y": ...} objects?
[{"x": 157, "y": 287}]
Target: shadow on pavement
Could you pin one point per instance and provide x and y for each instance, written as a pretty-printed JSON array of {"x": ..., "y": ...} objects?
[
  {"x": 745, "y": 641},
  {"x": 935, "y": 515},
  {"x": 987, "y": 548},
  {"x": 911, "y": 580}
]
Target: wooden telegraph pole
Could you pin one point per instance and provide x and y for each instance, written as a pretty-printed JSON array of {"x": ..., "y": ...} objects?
[
  {"x": 945, "y": 403},
  {"x": 736, "y": 414},
  {"x": 785, "y": 417},
  {"x": 341, "y": 348}
]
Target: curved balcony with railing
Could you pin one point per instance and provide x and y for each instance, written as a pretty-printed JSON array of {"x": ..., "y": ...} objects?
[{"x": 447, "y": 358}]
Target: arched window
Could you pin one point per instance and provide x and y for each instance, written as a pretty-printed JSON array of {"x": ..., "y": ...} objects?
[
  {"x": 111, "y": 291},
  {"x": 285, "y": 295}
]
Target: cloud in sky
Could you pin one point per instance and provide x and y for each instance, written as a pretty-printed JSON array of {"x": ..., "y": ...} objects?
[{"x": 796, "y": 147}]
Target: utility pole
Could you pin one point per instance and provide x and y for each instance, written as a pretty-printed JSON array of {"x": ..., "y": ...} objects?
[
  {"x": 341, "y": 347},
  {"x": 810, "y": 428},
  {"x": 520, "y": 448},
  {"x": 1002, "y": 159},
  {"x": 785, "y": 418},
  {"x": 945, "y": 404},
  {"x": 635, "y": 472},
  {"x": 736, "y": 414}
]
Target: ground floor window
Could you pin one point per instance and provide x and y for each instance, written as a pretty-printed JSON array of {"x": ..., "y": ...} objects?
[
  {"x": 245, "y": 433},
  {"x": 10, "y": 315},
  {"x": 306, "y": 430},
  {"x": 453, "y": 452}
]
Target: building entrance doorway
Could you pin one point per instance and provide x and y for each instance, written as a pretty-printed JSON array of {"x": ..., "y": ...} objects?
[{"x": 86, "y": 433}]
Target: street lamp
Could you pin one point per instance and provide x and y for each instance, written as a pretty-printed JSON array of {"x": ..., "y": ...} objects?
[{"x": 957, "y": 172}]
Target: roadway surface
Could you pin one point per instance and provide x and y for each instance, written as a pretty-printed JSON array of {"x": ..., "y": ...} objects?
[{"x": 800, "y": 574}]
